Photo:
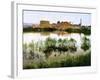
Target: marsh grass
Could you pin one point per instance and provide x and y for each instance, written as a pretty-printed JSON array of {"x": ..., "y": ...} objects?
[
  {"x": 54, "y": 53},
  {"x": 68, "y": 60}
]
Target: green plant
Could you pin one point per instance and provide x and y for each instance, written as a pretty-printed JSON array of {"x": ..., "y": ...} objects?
[
  {"x": 85, "y": 44},
  {"x": 72, "y": 45}
]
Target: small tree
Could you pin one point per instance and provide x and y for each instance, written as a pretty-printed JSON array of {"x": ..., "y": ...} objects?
[
  {"x": 72, "y": 45},
  {"x": 85, "y": 44},
  {"x": 49, "y": 46},
  {"x": 50, "y": 42}
]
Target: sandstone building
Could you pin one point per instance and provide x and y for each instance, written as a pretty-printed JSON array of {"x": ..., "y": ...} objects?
[
  {"x": 59, "y": 25},
  {"x": 44, "y": 24}
]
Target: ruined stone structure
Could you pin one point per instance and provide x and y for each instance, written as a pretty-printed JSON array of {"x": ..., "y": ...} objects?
[
  {"x": 44, "y": 24},
  {"x": 59, "y": 25},
  {"x": 64, "y": 25}
]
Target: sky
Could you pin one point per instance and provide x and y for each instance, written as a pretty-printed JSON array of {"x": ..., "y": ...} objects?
[{"x": 34, "y": 17}]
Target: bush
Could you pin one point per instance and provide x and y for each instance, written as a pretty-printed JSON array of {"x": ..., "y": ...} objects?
[
  {"x": 85, "y": 44},
  {"x": 86, "y": 30}
]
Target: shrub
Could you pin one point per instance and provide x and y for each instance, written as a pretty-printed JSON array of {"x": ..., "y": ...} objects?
[{"x": 85, "y": 44}]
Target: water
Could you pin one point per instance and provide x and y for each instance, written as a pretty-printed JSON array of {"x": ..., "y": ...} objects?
[{"x": 29, "y": 37}]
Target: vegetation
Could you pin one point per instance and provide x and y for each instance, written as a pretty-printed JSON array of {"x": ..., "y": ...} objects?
[
  {"x": 84, "y": 29},
  {"x": 52, "y": 45},
  {"x": 70, "y": 30},
  {"x": 30, "y": 29},
  {"x": 53, "y": 53},
  {"x": 85, "y": 44},
  {"x": 62, "y": 61}
]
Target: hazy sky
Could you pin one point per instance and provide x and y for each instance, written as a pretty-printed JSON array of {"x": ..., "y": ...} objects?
[{"x": 34, "y": 17}]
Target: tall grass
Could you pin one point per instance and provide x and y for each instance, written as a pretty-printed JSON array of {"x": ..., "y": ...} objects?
[
  {"x": 62, "y": 61},
  {"x": 39, "y": 55}
]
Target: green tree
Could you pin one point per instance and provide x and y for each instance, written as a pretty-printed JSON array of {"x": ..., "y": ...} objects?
[
  {"x": 49, "y": 46},
  {"x": 72, "y": 45},
  {"x": 85, "y": 44}
]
